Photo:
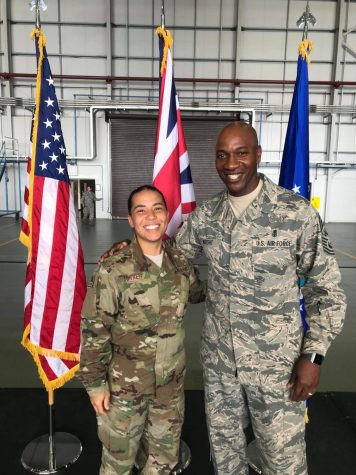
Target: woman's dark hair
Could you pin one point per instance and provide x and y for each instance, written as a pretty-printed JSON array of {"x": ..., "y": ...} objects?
[{"x": 142, "y": 188}]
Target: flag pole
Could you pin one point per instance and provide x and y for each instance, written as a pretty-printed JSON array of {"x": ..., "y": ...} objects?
[
  {"x": 38, "y": 15},
  {"x": 51, "y": 431},
  {"x": 185, "y": 455},
  {"x": 162, "y": 15}
]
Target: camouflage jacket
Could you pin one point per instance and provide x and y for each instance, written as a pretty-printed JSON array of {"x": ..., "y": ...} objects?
[
  {"x": 254, "y": 263},
  {"x": 132, "y": 323},
  {"x": 88, "y": 199}
]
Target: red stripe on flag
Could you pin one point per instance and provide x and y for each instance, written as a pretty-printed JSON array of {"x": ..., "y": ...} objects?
[
  {"x": 26, "y": 194},
  {"x": 50, "y": 374},
  {"x": 24, "y": 227},
  {"x": 181, "y": 139},
  {"x": 28, "y": 307},
  {"x": 188, "y": 207},
  {"x": 72, "y": 343},
  {"x": 168, "y": 181}
]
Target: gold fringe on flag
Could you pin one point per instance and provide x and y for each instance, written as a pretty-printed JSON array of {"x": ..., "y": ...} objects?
[
  {"x": 305, "y": 47},
  {"x": 36, "y": 351},
  {"x": 168, "y": 41}
]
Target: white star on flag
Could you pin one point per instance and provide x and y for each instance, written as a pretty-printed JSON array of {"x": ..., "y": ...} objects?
[
  {"x": 56, "y": 115},
  {"x": 48, "y": 123},
  {"x": 54, "y": 157},
  {"x": 296, "y": 188},
  {"x": 50, "y": 81},
  {"x": 56, "y": 136},
  {"x": 43, "y": 165},
  {"x": 60, "y": 170},
  {"x": 46, "y": 144},
  {"x": 62, "y": 149},
  {"x": 49, "y": 102}
]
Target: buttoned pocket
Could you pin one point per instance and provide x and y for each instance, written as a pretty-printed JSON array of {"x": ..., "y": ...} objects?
[{"x": 139, "y": 307}]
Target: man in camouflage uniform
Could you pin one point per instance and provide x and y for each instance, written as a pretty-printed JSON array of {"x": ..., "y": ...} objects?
[
  {"x": 88, "y": 203},
  {"x": 259, "y": 239},
  {"x": 133, "y": 360}
]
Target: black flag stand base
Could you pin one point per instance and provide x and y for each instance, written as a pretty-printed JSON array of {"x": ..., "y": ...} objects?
[
  {"x": 51, "y": 452},
  {"x": 254, "y": 457},
  {"x": 185, "y": 457}
]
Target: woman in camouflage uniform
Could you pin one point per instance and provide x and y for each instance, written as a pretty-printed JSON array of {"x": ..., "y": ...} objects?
[{"x": 133, "y": 360}]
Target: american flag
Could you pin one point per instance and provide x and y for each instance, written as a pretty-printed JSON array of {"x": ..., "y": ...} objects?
[
  {"x": 171, "y": 174},
  {"x": 55, "y": 279}
]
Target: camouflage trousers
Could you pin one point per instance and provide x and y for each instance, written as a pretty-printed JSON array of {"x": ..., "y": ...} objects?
[
  {"x": 88, "y": 212},
  {"x": 278, "y": 424},
  {"x": 143, "y": 429}
]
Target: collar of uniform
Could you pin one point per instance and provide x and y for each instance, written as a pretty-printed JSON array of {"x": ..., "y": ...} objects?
[
  {"x": 266, "y": 200},
  {"x": 139, "y": 256},
  {"x": 143, "y": 263},
  {"x": 221, "y": 211}
]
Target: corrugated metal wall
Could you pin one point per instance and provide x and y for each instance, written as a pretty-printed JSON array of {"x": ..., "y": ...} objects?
[{"x": 132, "y": 152}]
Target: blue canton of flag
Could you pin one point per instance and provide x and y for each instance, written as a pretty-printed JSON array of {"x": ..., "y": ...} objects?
[{"x": 51, "y": 152}]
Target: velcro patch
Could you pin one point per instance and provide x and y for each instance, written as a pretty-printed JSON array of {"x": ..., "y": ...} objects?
[
  {"x": 281, "y": 243},
  {"x": 133, "y": 277}
]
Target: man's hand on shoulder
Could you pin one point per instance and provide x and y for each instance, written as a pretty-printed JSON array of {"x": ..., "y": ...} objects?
[
  {"x": 304, "y": 380},
  {"x": 117, "y": 246}
]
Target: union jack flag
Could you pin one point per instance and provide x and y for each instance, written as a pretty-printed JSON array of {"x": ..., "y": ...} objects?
[
  {"x": 55, "y": 279},
  {"x": 171, "y": 174}
]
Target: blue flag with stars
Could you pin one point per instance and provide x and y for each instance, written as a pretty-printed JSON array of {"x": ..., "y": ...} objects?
[{"x": 294, "y": 174}]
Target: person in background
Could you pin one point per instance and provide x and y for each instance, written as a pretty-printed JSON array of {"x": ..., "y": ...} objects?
[
  {"x": 88, "y": 203},
  {"x": 132, "y": 357},
  {"x": 260, "y": 240}
]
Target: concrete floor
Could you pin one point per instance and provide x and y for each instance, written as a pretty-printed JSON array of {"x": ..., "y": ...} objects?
[{"x": 17, "y": 369}]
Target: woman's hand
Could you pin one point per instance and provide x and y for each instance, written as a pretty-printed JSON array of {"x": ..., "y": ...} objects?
[{"x": 101, "y": 402}]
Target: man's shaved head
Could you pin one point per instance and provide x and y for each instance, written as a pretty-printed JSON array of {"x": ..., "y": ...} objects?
[{"x": 240, "y": 126}]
